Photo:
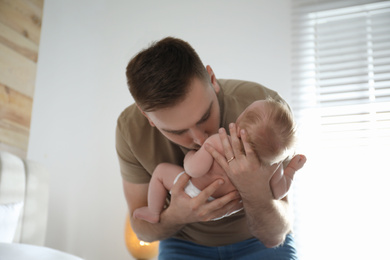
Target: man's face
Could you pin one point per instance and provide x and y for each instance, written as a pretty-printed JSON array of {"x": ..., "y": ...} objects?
[{"x": 190, "y": 122}]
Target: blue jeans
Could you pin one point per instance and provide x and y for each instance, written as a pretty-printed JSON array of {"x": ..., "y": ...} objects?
[{"x": 176, "y": 249}]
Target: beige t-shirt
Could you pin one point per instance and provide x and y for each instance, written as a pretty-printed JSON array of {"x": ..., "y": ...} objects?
[{"x": 141, "y": 148}]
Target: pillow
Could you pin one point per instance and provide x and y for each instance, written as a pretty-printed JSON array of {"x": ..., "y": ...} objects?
[{"x": 9, "y": 218}]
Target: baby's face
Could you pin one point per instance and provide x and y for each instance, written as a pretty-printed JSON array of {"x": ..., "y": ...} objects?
[{"x": 255, "y": 106}]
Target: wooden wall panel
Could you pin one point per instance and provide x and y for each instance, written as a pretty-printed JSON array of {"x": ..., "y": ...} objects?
[
  {"x": 16, "y": 71},
  {"x": 20, "y": 28},
  {"x": 18, "y": 43},
  {"x": 16, "y": 15}
]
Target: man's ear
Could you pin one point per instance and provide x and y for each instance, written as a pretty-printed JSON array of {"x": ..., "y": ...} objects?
[
  {"x": 150, "y": 121},
  {"x": 213, "y": 78}
]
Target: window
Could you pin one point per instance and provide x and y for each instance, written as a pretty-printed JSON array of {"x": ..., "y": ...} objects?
[{"x": 341, "y": 101}]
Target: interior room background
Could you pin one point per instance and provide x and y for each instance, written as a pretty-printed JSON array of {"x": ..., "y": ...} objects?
[{"x": 81, "y": 89}]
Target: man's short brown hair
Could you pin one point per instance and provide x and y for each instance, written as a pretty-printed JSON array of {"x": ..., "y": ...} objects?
[{"x": 159, "y": 76}]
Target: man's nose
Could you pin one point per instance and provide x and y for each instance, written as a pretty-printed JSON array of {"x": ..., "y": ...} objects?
[{"x": 199, "y": 136}]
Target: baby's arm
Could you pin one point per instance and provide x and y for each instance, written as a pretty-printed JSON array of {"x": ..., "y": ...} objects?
[
  {"x": 281, "y": 182},
  {"x": 198, "y": 163}
]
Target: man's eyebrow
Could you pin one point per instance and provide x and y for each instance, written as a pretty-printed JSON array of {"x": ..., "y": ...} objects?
[{"x": 205, "y": 116}]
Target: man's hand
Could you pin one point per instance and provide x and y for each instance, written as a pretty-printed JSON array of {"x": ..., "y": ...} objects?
[
  {"x": 244, "y": 170},
  {"x": 189, "y": 210},
  {"x": 268, "y": 219}
]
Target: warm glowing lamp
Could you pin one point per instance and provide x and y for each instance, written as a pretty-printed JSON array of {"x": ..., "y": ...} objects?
[{"x": 138, "y": 248}]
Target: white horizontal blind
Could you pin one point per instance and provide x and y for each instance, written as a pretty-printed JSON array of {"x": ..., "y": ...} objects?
[
  {"x": 341, "y": 101},
  {"x": 341, "y": 71}
]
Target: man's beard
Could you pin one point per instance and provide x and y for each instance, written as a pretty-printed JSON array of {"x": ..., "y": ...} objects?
[
  {"x": 196, "y": 147},
  {"x": 192, "y": 147}
]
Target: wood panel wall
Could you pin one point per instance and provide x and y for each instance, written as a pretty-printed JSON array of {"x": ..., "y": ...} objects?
[{"x": 20, "y": 29}]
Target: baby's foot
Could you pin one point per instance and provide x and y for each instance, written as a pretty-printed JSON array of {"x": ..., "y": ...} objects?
[
  {"x": 147, "y": 215},
  {"x": 295, "y": 164}
]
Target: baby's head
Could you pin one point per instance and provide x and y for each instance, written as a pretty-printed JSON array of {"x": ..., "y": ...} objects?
[{"x": 271, "y": 129}]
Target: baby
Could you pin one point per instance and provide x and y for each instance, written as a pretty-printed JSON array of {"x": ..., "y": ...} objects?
[{"x": 271, "y": 132}]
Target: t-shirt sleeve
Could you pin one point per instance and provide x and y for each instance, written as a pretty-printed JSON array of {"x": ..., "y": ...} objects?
[{"x": 131, "y": 169}]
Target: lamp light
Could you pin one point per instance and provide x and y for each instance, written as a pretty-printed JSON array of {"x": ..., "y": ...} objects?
[{"x": 139, "y": 249}]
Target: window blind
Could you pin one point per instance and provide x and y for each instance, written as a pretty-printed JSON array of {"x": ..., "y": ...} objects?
[
  {"x": 341, "y": 70},
  {"x": 341, "y": 102}
]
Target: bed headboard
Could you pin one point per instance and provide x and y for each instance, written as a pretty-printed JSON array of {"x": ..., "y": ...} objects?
[{"x": 28, "y": 182}]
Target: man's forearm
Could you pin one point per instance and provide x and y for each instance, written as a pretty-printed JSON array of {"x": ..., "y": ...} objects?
[{"x": 269, "y": 221}]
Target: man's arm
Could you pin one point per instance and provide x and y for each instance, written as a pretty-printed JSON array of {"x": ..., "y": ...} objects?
[{"x": 268, "y": 219}]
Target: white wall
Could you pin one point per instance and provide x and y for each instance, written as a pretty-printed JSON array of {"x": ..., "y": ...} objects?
[{"x": 81, "y": 89}]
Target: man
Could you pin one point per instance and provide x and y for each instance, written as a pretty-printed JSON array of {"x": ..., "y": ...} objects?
[{"x": 178, "y": 104}]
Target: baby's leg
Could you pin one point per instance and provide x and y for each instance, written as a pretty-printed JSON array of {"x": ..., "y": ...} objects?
[
  {"x": 161, "y": 182},
  {"x": 281, "y": 181},
  {"x": 156, "y": 201},
  {"x": 295, "y": 164}
]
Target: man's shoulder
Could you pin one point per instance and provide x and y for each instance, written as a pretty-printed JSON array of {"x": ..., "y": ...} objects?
[
  {"x": 236, "y": 95},
  {"x": 128, "y": 111},
  {"x": 131, "y": 120},
  {"x": 241, "y": 87},
  {"x": 129, "y": 114},
  {"x": 237, "y": 84}
]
